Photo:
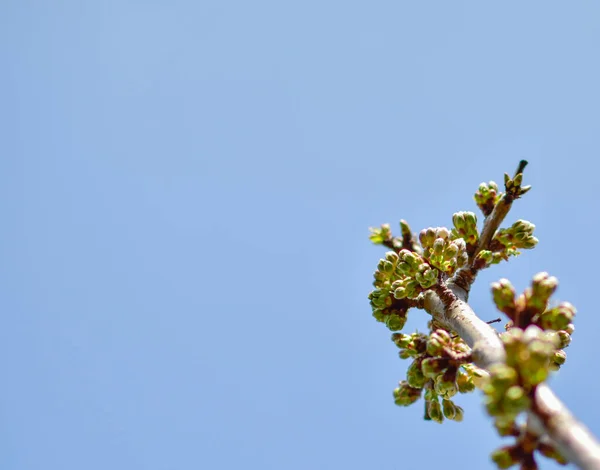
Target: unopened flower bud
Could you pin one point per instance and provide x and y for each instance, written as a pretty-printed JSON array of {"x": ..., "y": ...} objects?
[
  {"x": 433, "y": 366},
  {"x": 559, "y": 357},
  {"x": 401, "y": 340},
  {"x": 505, "y": 457},
  {"x": 518, "y": 179},
  {"x": 449, "y": 409},
  {"x": 464, "y": 382},
  {"x": 405, "y": 395},
  {"x": 395, "y": 322},
  {"x": 434, "y": 410},
  {"x": 504, "y": 294},
  {"x": 458, "y": 220},
  {"x": 445, "y": 388},
  {"x": 405, "y": 228},
  {"x": 443, "y": 233},
  {"x": 415, "y": 376},
  {"x": 451, "y": 251}
]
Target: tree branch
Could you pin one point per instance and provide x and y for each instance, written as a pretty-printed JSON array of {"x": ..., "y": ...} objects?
[
  {"x": 548, "y": 415},
  {"x": 493, "y": 221}
]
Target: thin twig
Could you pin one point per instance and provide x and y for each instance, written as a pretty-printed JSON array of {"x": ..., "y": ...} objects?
[{"x": 466, "y": 276}]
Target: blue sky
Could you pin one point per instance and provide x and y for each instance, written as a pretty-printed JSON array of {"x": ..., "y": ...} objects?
[{"x": 187, "y": 188}]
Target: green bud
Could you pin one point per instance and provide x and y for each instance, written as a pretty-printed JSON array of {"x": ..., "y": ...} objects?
[
  {"x": 404, "y": 228},
  {"x": 515, "y": 400},
  {"x": 445, "y": 388},
  {"x": 431, "y": 274},
  {"x": 434, "y": 347},
  {"x": 514, "y": 335},
  {"x": 470, "y": 219},
  {"x": 451, "y": 251},
  {"x": 400, "y": 293},
  {"x": 529, "y": 243},
  {"x": 460, "y": 413},
  {"x": 401, "y": 340},
  {"x": 430, "y": 395},
  {"x": 423, "y": 238},
  {"x": 449, "y": 409},
  {"x": 464, "y": 382},
  {"x": 395, "y": 322},
  {"x": 486, "y": 197},
  {"x": 430, "y": 236},
  {"x": 385, "y": 266},
  {"x": 405, "y": 354},
  {"x": 458, "y": 220},
  {"x": 503, "y": 376},
  {"x": 412, "y": 287},
  {"x": 436, "y": 342},
  {"x": 403, "y": 269},
  {"x": 563, "y": 339},
  {"x": 518, "y": 179},
  {"x": 504, "y": 425},
  {"x": 505, "y": 457},
  {"x": 504, "y": 294},
  {"x": 392, "y": 257},
  {"x": 443, "y": 233},
  {"x": 544, "y": 285},
  {"x": 485, "y": 255},
  {"x": 559, "y": 357},
  {"x": 434, "y": 410},
  {"x": 378, "y": 314},
  {"x": 524, "y": 189},
  {"x": 557, "y": 318},
  {"x": 522, "y": 226},
  {"x": 438, "y": 247},
  {"x": 405, "y": 395},
  {"x": 442, "y": 335},
  {"x": 433, "y": 366},
  {"x": 415, "y": 376}
]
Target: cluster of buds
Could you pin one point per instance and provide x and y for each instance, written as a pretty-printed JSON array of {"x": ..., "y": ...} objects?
[
  {"x": 465, "y": 227},
  {"x": 415, "y": 275},
  {"x": 487, "y": 196},
  {"x": 533, "y": 349},
  {"x": 533, "y": 302},
  {"x": 387, "y": 310},
  {"x": 399, "y": 279},
  {"x": 529, "y": 357},
  {"x": 531, "y": 308},
  {"x": 440, "y": 367},
  {"x": 518, "y": 236},
  {"x": 509, "y": 389},
  {"x": 559, "y": 318},
  {"x": 507, "y": 242},
  {"x": 523, "y": 452},
  {"x": 441, "y": 251},
  {"x": 513, "y": 186}
]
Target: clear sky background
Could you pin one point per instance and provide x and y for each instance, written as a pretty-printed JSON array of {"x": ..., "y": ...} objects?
[{"x": 186, "y": 190}]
